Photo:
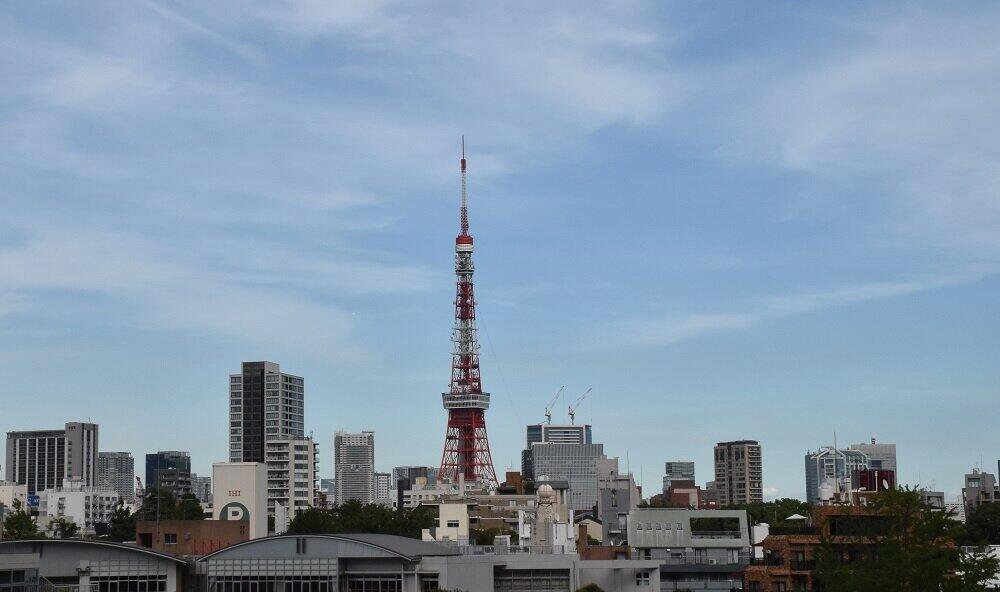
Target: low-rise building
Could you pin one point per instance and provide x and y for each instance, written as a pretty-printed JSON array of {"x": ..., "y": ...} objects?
[
  {"x": 88, "y": 565},
  {"x": 85, "y": 505},
  {"x": 378, "y": 562},
  {"x": 789, "y": 556},
  {"x": 980, "y": 488},
  {"x": 190, "y": 537},
  {"x": 695, "y": 549}
]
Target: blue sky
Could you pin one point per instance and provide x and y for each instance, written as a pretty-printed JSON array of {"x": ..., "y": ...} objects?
[{"x": 731, "y": 220}]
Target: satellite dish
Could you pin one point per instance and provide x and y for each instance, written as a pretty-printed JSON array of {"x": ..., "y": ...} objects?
[{"x": 885, "y": 484}]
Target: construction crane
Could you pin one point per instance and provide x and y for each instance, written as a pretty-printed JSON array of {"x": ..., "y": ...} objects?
[
  {"x": 572, "y": 408},
  {"x": 552, "y": 403}
]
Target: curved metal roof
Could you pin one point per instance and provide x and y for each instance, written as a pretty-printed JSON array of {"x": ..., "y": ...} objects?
[
  {"x": 97, "y": 543},
  {"x": 403, "y": 547}
]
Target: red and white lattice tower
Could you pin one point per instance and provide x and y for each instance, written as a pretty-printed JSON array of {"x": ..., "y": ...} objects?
[{"x": 466, "y": 447}]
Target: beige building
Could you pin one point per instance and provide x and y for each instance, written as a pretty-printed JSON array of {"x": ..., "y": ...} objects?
[
  {"x": 240, "y": 493},
  {"x": 739, "y": 472}
]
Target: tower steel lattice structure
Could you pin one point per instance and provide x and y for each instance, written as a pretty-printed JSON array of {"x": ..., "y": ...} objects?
[{"x": 466, "y": 446}]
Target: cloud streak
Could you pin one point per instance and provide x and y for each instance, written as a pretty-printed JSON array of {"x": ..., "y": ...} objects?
[{"x": 665, "y": 331}]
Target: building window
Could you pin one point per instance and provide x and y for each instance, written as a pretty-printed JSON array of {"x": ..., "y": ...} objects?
[
  {"x": 170, "y": 538},
  {"x": 453, "y": 524},
  {"x": 642, "y": 578},
  {"x": 374, "y": 583},
  {"x": 429, "y": 584}
]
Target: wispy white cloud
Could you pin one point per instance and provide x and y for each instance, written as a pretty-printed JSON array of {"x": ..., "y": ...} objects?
[{"x": 662, "y": 331}]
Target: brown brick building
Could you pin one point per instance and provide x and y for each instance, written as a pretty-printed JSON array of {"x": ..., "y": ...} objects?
[
  {"x": 790, "y": 554},
  {"x": 191, "y": 537}
]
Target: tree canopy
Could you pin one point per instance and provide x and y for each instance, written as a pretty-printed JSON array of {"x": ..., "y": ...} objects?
[
  {"x": 121, "y": 524},
  {"x": 901, "y": 544},
  {"x": 983, "y": 525},
  {"x": 170, "y": 507},
  {"x": 355, "y": 517},
  {"x": 18, "y": 524}
]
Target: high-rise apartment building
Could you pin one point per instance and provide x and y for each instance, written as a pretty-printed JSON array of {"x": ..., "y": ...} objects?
[
  {"x": 382, "y": 487},
  {"x": 116, "y": 470},
  {"x": 880, "y": 455},
  {"x": 739, "y": 472},
  {"x": 557, "y": 434},
  {"x": 264, "y": 404},
  {"x": 677, "y": 470},
  {"x": 354, "y": 466},
  {"x": 292, "y": 474},
  {"x": 43, "y": 459},
  {"x": 169, "y": 470},
  {"x": 832, "y": 466}
]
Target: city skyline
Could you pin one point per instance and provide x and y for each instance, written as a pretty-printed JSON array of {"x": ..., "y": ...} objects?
[{"x": 798, "y": 253}]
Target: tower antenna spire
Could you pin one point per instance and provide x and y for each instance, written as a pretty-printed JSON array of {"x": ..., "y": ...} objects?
[{"x": 465, "y": 209}]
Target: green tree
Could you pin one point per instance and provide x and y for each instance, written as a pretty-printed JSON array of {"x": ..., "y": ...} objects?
[
  {"x": 590, "y": 588},
  {"x": 355, "y": 517},
  {"x": 901, "y": 544},
  {"x": 983, "y": 525},
  {"x": 159, "y": 502},
  {"x": 121, "y": 524},
  {"x": 63, "y": 528},
  {"x": 774, "y": 512},
  {"x": 18, "y": 524},
  {"x": 187, "y": 508},
  {"x": 486, "y": 536}
]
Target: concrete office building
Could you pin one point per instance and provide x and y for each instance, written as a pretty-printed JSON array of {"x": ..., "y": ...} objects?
[
  {"x": 577, "y": 464},
  {"x": 264, "y": 404},
  {"x": 677, "y": 470},
  {"x": 201, "y": 487},
  {"x": 980, "y": 488},
  {"x": 412, "y": 472},
  {"x": 694, "y": 552},
  {"x": 169, "y": 470},
  {"x": 559, "y": 434},
  {"x": 382, "y": 488},
  {"x": 43, "y": 459},
  {"x": 834, "y": 467},
  {"x": 881, "y": 456},
  {"x": 116, "y": 470},
  {"x": 354, "y": 466},
  {"x": 739, "y": 473},
  {"x": 240, "y": 493},
  {"x": 292, "y": 473},
  {"x": 85, "y": 505}
]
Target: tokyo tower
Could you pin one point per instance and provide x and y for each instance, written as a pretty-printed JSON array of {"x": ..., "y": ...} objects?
[{"x": 466, "y": 447}]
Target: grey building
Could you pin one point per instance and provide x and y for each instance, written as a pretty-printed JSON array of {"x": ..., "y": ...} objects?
[
  {"x": 980, "y": 488},
  {"x": 696, "y": 549},
  {"x": 677, "y": 470},
  {"x": 834, "y": 466},
  {"x": 116, "y": 470},
  {"x": 387, "y": 563},
  {"x": 42, "y": 459},
  {"x": 354, "y": 466},
  {"x": 880, "y": 455},
  {"x": 558, "y": 434},
  {"x": 264, "y": 404},
  {"x": 201, "y": 487},
  {"x": 739, "y": 472},
  {"x": 88, "y": 565},
  {"x": 169, "y": 470},
  {"x": 576, "y": 464}
]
